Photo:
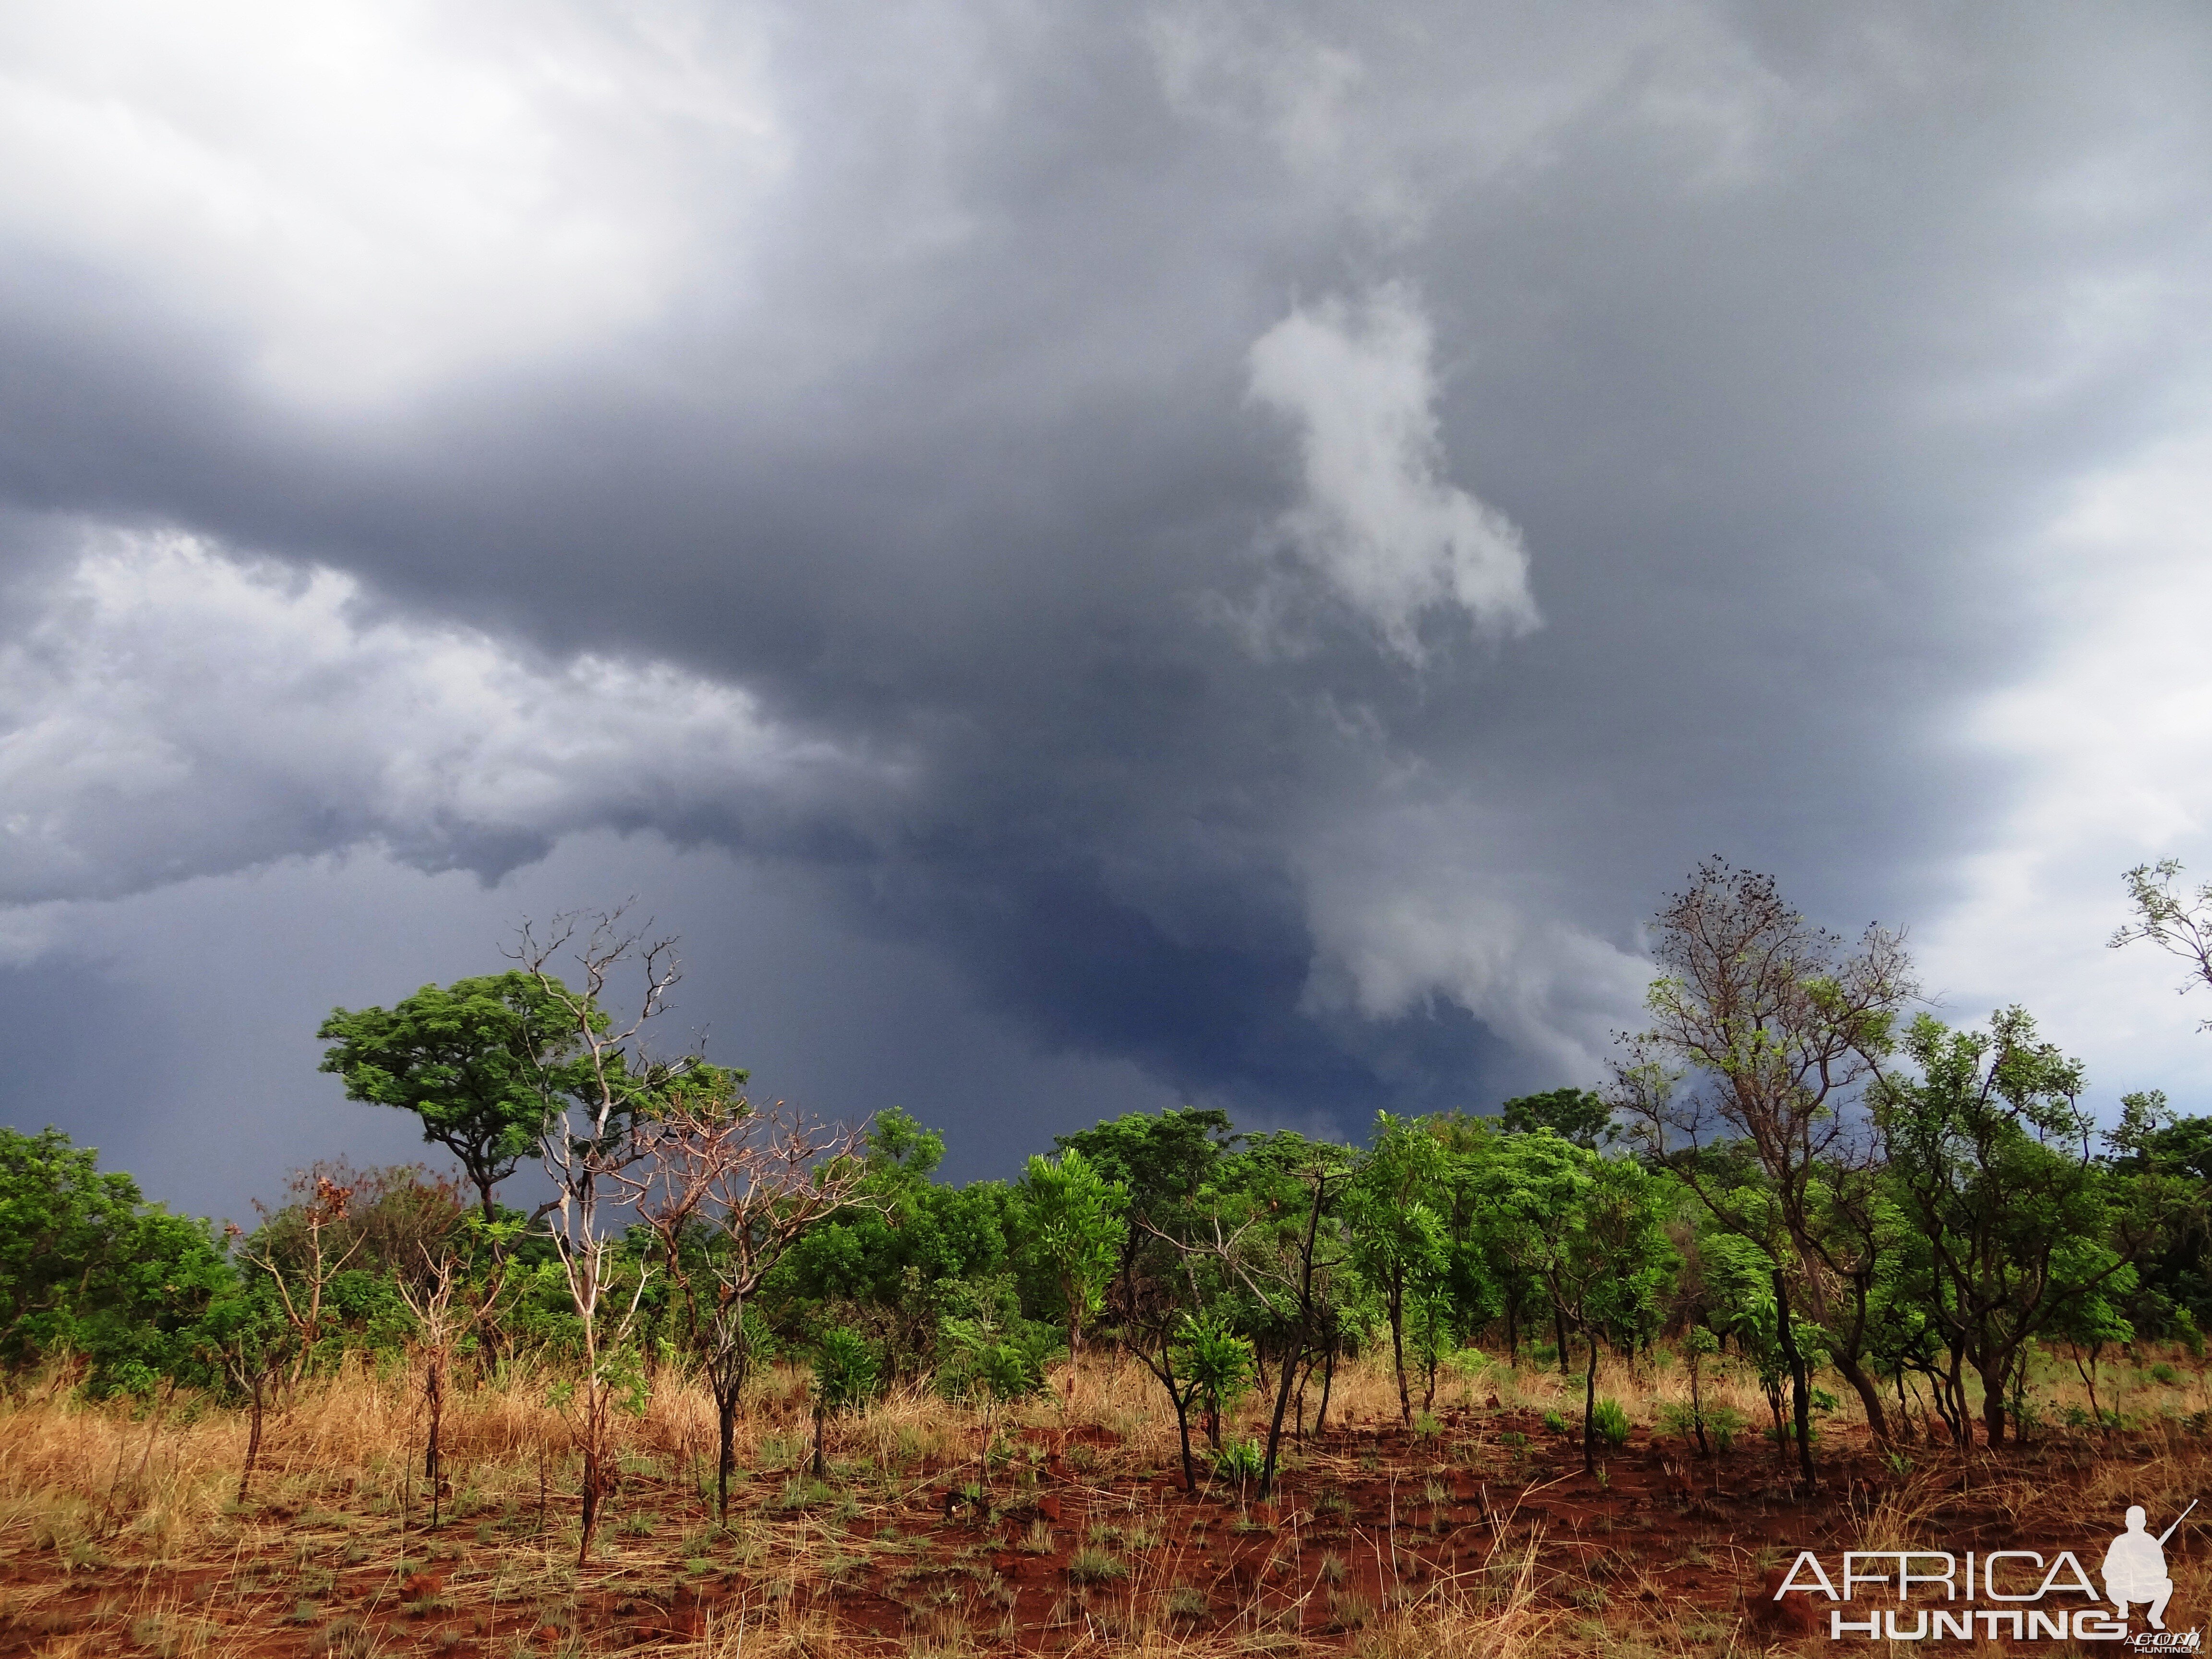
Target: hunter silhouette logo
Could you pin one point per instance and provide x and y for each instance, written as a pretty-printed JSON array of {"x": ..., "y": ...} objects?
[
  {"x": 2030, "y": 1593},
  {"x": 2135, "y": 1567}
]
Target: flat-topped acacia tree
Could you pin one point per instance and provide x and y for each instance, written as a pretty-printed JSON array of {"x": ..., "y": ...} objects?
[{"x": 486, "y": 1064}]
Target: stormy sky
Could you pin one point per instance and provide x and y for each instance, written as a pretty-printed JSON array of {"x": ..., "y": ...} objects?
[{"x": 1083, "y": 556}]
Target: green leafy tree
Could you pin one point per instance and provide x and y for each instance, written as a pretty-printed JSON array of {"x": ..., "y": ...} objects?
[
  {"x": 1581, "y": 1115},
  {"x": 1593, "y": 1231},
  {"x": 1398, "y": 1237},
  {"x": 1991, "y": 1154},
  {"x": 1280, "y": 1242},
  {"x": 1169, "y": 1164},
  {"x": 247, "y": 1338},
  {"x": 907, "y": 1256},
  {"x": 485, "y": 1064},
  {"x": 87, "y": 1267},
  {"x": 1219, "y": 1364},
  {"x": 1162, "y": 1161},
  {"x": 1072, "y": 1216},
  {"x": 846, "y": 1376}
]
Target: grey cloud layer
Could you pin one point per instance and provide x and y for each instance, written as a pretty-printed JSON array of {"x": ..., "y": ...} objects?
[{"x": 1128, "y": 454}]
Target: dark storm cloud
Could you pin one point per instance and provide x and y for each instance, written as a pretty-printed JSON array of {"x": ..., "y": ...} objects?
[{"x": 934, "y": 424}]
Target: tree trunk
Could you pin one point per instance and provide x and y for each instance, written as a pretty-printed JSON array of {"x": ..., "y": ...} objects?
[
  {"x": 1328, "y": 1382},
  {"x": 821, "y": 1463},
  {"x": 1559, "y": 1329},
  {"x": 433, "y": 1399},
  {"x": 1074, "y": 1340},
  {"x": 591, "y": 1500},
  {"x": 1869, "y": 1394},
  {"x": 1275, "y": 1425},
  {"x": 1398, "y": 1350},
  {"x": 1182, "y": 1434},
  {"x": 1589, "y": 1406},
  {"x": 1307, "y": 1327},
  {"x": 1993, "y": 1407},
  {"x": 253, "y": 1437},
  {"x": 1697, "y": 1406},
  {"x": 1800, "y": 1391},
  {"x": 725, "y": 1432}
]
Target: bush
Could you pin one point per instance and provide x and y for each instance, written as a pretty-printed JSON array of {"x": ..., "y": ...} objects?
[
  {"x": 1611, "y": 1422},
  {"x": 1239, "y": 1460},
  {"x": 1555, "y": 1422},
  {"x": 988, "y": 1362}
]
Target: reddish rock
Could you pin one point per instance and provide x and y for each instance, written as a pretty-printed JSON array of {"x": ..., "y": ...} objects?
[{"x": 1049, "y": 1506}]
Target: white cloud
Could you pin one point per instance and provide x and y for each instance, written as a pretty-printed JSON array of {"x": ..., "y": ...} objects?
[
  {"x": 1404, "y": 907},
  {"x": 1379, "y": 523},
  {"x": 365, "y": 197},
  {"x": 172, "y": 710},
  {"x": 2112, "y": 737}
]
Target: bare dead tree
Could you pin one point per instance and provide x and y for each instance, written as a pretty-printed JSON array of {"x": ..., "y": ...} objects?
[
  {"x": 1765, "y": 1030},
  {"x": 727, "y": 1189},
  {"x": 591, "y": 1141},
  {"x": 441, "y": 1325},
  {"x": 301, "y": 1284}
]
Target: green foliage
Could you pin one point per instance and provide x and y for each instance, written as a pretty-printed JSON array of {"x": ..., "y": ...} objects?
[
  {"x": 485, "y": 1063},
  {"x": 87, "y": 1267},
  {"x": 1239, "y": 1460},
  {"x": 905, "y": 1265},
  {"x": 845, "y": 1371},
  {"x": 986, "y": 1362},
  {"x": 1394, "y": 1209},
  {"x": 1578, "y": 1115},
  {"x": 2015, "y": 1225},
  {"x": 1216, "y": 1359},
  {"x": 1611, "y": 1422},
  {"x": 1592, "y": 1231},
  {"x": 1723, "y": 1424},
  {"x": 1071, "y": 1217}
]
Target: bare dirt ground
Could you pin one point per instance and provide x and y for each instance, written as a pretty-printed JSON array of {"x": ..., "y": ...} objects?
[{"x": 1480, "y": 1534}]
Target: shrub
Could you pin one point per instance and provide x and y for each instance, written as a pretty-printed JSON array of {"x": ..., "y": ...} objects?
[
  {"x": 1239, "y": 1460},
  {"x": 1611, "y": 1422}
]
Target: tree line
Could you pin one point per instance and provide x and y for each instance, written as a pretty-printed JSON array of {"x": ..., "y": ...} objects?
[{"x": 1793, "y": 1162}]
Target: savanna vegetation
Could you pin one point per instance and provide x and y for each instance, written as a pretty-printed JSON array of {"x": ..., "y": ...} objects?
[{"x": 1812, "y": 1264}]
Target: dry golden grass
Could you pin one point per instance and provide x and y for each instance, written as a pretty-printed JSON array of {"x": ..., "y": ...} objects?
[{"x": 119, "y": 1531}]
